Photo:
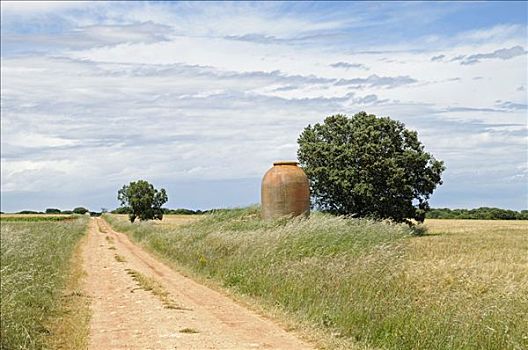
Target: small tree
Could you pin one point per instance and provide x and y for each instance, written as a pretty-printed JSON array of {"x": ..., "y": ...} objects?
[
  {"x": 368, "y": 166},
  {"x": 80, "y": 210},
  {"x": 52, "y": 211},
  {"x": 143, "y": 200}
]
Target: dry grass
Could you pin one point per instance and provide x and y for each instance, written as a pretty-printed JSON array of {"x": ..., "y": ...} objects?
[
  {"x": 33, "y": 215},
  {"x": 189, "y": 330},
  {"x": 470, "y": 258},
  {"x": 36, "y": 217},
  {"x": 471, "y": 277},
  {"x": 168, "y": 220},
  {"x": 70, "y": 328},
  {"x": 151, "y": 285},
  {"x": 119, "y": 258},
  {"x": 172, "y": 219}
]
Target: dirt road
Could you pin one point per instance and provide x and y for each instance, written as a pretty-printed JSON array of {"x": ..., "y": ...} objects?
[{"x": 140, "y": 303}]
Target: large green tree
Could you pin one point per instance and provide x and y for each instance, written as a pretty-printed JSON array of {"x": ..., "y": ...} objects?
[
  {"x": 369, "y": 167},
  {"x": 143, "y": 200}
]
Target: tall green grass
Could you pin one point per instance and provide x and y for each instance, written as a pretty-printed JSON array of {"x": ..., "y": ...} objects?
[
  {"x": 369, "y": 283},
  {"x": 34, "y": 267},
  {"x": 334, "y": 273}
]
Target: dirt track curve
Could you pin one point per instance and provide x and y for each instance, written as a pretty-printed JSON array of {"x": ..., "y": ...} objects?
[{"x": 178, "y": 314}]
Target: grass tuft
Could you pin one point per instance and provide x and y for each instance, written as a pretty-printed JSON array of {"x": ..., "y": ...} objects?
[
  {"x": 119, "y": 258},
  {"x": 189, "y": 330},
  {"x": 151, "y": 285}
]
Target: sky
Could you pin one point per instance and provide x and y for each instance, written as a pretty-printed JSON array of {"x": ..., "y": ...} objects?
[{"x": 200, "y": 98}]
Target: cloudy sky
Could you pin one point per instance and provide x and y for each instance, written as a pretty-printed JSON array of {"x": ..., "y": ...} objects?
[{"x": 201, "y": 98}]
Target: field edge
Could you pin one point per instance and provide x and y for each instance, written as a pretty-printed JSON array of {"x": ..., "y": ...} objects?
[{"x": 69, "y": 328}]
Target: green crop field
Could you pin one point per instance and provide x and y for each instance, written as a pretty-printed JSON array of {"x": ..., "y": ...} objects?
[
  {"x": 38, "y": 277},
  {"x": 359, "y": 283}
]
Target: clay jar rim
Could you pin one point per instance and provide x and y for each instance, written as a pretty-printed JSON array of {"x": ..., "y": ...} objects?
[{"x": 285, "y": 162}]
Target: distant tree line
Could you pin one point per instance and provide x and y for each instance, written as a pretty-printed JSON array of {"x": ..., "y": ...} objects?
[
  {"x": 483, "y": 213},
  {"x": 121, "y": 210},
  {"x": 180, "y": 211},
  {"x": 78, "y": 210}
]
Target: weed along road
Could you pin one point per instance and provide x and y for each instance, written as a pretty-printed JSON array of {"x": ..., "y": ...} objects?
[{"x": 137, "y": 302}]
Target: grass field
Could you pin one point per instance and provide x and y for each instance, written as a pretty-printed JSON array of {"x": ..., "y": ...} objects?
[
  {"x": 36, "y": 217},
  {"x": 365, "y": 284},
  {"x": 40, "y": 304},
  {"x": 168, "y": 220}
]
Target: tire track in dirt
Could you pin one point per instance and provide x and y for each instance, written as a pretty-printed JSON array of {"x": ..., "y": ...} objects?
[{"x": 177, "y": 313}]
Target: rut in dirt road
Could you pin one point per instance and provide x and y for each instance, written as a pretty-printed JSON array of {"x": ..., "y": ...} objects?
[{"x": 140, "y": 303}]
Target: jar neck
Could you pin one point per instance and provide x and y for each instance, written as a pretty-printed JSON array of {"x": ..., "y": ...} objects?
[{"x": 285, "y": 162}]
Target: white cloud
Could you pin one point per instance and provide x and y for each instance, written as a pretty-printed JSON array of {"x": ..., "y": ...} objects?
[
  {"x": 35, "y": 175},
  {"x": 231, "y": 19},
  {"x": 493, "y": 34},
  {"x": 34, "y": 140}
]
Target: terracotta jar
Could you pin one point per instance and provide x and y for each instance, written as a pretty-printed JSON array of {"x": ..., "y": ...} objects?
[{"x": 285, "y": 191}]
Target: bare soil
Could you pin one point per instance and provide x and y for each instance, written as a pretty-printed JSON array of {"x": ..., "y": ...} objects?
[{"x": 140, "y": 303}]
